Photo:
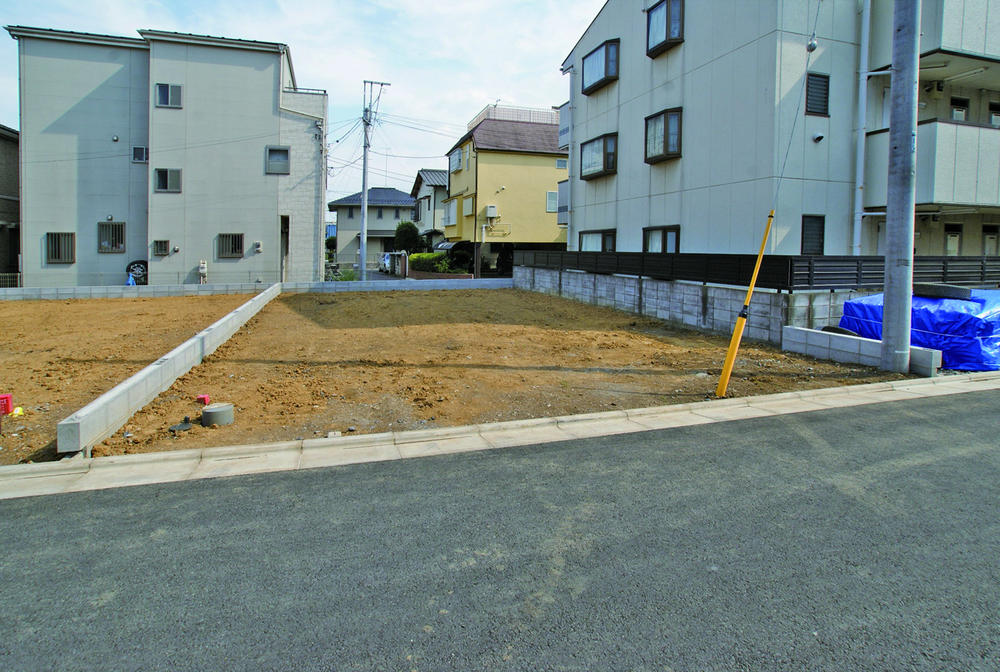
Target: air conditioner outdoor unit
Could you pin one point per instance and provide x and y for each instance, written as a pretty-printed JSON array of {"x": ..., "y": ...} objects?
[{"x": 491, "y": 212}]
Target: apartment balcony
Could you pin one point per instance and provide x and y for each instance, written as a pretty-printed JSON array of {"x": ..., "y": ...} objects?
[
  {"x": 947, "y": 27},
  {"x": 565, "y": 122},
  {"x": 957, "y": 163}
]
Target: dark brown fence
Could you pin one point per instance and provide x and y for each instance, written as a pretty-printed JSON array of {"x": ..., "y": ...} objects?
[{"x": 783, "y": 272}]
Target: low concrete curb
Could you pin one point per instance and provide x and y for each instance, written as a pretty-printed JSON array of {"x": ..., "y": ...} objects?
[
  {"x": 105, "y": 415},
  {"x": 80, "y": 473},
  {"x": 123, "y": 292},
  {"x": 408, "y": 285},
  {"x": 849, "y": 349}
]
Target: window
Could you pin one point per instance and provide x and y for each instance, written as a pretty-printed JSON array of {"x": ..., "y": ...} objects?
[
  {"x": 959, "y": 109},
  {"x": 663, "y": 135},
  {"x": 812, "y": 233},
  {"x": 140, "y": 154},
  {"x": 277, "y": 160},
  {"x": 60, "y": 248},
  {"x": 161, "y": 248},
  {"x": 414, "y": 213},
  {"x": 661, "y": 239},
  {"x": 561, "y": 164},
  {"x": 455, "y": 161},
  {"x": 600, "y": 67},
  {"x": 111, "y": 237},
  {"x": 599, "y": 157},
  {"x": 991, "y": 236},
  {"x": 168, "y": 95},
  {"x": 994, "y": 114},
  {"x": 378, "y": 213},
  {"x": 551, "y": 201},
  {"x": 396, "y": 214},
  {"x": 168, "y": 180},
  {"x": 597, "y": 241},
  {"x": 466, "y": 154},
  {"x": 818, "y": 94},
  {"x": 664, "y": 26},
  {"x": 467, "y": 204},
  {"x": 350, "y": 213},
  {"x": 230, "y": 245}
]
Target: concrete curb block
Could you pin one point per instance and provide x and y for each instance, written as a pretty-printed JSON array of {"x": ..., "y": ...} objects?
[
  {"x": 79, "y": 474},
  {"x": 105, "y": 415},
  {"x": 122, "y": 292}
]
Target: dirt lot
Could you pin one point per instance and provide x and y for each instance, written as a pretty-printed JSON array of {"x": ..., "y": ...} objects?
[
  {"x": 312, "y": 364},
  {"x": 57, "y": 356}
]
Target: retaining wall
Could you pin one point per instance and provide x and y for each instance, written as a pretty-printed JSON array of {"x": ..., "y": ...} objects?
[
  {"x": 109, "y": 412},
  {"x": 395, "y": 285},
  {"x": 854, "y": 349},
  {"x": 122, "y": 292},
  {"x": 707, "y": 307}
]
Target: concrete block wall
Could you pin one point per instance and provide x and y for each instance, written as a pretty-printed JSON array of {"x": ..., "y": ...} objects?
[
  {"x": 105, "y": 415},
  {"x": 394, "y": 285},
  {"x": 122, "y": 292},
  {"x": 853, "y": 349},
  {"x": 708, "y": 307}
]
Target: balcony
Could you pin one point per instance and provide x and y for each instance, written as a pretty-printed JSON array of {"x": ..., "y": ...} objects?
[
  {"x": 565, "y": 121},
  {"x": 957, "y": 163},
  {"x": 949, "y": 26}
]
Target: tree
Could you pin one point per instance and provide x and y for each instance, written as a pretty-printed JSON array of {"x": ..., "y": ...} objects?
[
  {"x": 331, "y": 244},
  {"x": 408, "y": 238}
]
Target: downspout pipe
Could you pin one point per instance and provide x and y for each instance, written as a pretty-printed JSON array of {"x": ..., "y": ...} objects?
[{"x": 862, "y": 125}]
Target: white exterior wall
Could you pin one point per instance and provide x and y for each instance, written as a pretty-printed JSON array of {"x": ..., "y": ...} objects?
[
  {"x": 968, "y": 26},
  {"x": 738, "y": 77},
  {"x": 75, "y": 98},
  {"x": 434, "y": 217},
  {"x": 348, "y": 230}
]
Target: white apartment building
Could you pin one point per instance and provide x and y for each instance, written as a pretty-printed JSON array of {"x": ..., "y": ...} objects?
[
  {"x": 681, "y": 114},
  {"x": 166, "y": 151}
]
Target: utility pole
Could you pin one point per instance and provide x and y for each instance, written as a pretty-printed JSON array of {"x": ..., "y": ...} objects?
[
  {"x": 898, "y": 296},
  {"x": 370, "y": 101}
]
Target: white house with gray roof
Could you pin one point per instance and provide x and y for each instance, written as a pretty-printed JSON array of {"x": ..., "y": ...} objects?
[
  {"x": 167, "y": 150},
  {"x": 387, "y": 207},
  {"x": 430, "y": 189}
]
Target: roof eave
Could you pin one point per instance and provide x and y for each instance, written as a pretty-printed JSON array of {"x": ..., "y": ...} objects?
[
  {"x": 211, "y": 41},
  {"x": 18, "y": 32}
]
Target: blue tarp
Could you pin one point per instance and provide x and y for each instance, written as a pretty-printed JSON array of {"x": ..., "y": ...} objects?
[{"x": 966, "y": 332}]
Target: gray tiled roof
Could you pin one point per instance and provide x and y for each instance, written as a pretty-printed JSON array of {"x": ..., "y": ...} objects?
[
  {"x": 514, "y": 136},
  {"x": 377, "y": 196}
]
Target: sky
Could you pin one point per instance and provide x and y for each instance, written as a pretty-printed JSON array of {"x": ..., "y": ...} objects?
[{"x": 445, "y": 61}]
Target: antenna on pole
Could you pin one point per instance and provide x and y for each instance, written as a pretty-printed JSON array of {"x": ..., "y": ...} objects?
[{"x": 370, "y": 109}]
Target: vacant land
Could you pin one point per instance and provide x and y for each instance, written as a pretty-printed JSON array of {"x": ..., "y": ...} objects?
[
  {"x": 57, "y": 356},
  {"x": 308, "y": 365}
]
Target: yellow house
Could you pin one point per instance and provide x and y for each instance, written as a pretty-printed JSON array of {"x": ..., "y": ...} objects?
[{"x": 503, "y": 178}]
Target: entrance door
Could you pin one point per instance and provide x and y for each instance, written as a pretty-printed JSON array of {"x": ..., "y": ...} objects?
[
  {"x": 991, "y": 238},
  {"x": 284, "y": 248}
]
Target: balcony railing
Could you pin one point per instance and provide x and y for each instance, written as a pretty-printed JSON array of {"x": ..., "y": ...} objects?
[
  {"x": 10, "y": 280},
  {"x": 780, "y": 272},
  {"x": 957, "y": 163}
]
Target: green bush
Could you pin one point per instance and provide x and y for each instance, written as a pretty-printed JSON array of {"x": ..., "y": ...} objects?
[
  {"x": 428, "y": 262},
  {"x": 347, "y": 276}
]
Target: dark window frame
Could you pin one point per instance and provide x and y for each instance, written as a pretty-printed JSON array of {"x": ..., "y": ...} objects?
[
  {"x": 231, "y": 246},
  {"x": 608, "y": 167},
  {"x": 674, "y": 228},
  {"x": 112, "y": 233},
  {"x": 378, "y": 213},
  {"x": 161, "y": 248},
  {"x": 174, "y": 95},
  {"x": 57, "y": 242},
  {"x": 665, "y": 154},
  {"x": 668, "y": 42},
  {"x": 817, "y": 107},
  {"x": 350, "y": 213},
  {"x": 605, "y": 234},
  {"x": 176, "y": 189},
  {"x": 143, "y": 152},
  {"x": 608, "y": 77},
  {"x": 813, "y": 219}
]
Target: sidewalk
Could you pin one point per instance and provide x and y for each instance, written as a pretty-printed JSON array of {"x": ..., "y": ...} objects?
[{"x": 78, "y": 473}]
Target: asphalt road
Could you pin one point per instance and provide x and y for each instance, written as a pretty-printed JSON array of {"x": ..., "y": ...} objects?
[{"x": 865, "y": 538}]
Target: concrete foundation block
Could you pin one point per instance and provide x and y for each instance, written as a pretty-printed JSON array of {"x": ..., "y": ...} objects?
[{"x": 925, "y": 361}]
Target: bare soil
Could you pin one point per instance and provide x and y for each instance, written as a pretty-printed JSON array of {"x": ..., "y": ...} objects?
[
  {"x": 58, "y": 356},
  {"x": 309, "y": 365}
]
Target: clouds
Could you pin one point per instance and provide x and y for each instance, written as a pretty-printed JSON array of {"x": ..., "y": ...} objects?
[{"x": 445, "y": 60}]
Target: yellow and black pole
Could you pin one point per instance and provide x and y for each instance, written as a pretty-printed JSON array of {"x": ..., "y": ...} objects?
[{"x": 741, "y": 321}]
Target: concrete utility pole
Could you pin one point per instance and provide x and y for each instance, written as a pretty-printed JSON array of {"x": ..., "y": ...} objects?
[
  {"x": 902, "y": 187},
  {"x": 367, "y": 118}
]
